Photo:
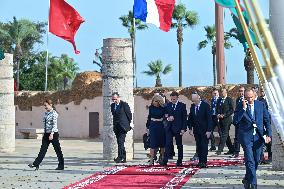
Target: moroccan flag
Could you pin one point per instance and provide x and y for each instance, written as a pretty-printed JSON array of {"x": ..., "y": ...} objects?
[
  {"x": 157, "y": 12},
  {"x": 64, "y": 21}
]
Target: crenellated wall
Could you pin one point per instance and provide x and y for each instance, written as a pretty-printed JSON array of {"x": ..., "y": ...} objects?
[{"x": 74, "y": 117}]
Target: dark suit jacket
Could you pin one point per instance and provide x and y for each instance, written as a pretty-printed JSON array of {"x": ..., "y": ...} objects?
[
  {"x": 263, "y": 100},
  {"x": 201, "y": 122},
  {"x": 227, "y": 109},
  {"x": 180, "y": 117},
  {"x": 244, "y": 120},
  {"x": 122, "y": 116},
  {"x": 238, "y": 101}
]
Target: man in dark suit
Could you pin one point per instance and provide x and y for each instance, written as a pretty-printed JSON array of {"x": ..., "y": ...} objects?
[
  {"x": 236, "y": 142},
  {"x": 122, "y": 117},
  {"x": 252, "y": 116},
  {"x": 261, "y": 97},
  {"x": 215, "y": 99},
  {"x": 225, "y": 110},
  {"x": 176, "y": 127},
  {"x": 200, "y": 120}
]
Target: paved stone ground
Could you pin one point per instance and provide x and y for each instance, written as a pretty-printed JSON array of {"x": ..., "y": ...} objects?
[{"x": 84, "y": 157}]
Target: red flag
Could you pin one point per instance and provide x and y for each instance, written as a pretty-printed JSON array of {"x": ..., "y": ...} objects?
[
  {"x": 165, "y": 10},
  {"x": 64, "y": 21}
]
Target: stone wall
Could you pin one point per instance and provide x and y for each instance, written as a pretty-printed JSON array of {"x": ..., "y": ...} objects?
[{"x": 74, "y": 116}]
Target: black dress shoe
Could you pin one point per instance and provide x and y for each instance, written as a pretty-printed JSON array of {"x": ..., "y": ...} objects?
[
  {"x": 213, "y": 148},
  {"x": 59, "y": 168},
  {"x": 116, "y": 159},
  {"x": 178, "y": 163},
  {"x": 163, "y": 163},
  {"x": 235, "y": 155},
  {"x": 252, "y": 186},
  {"x": 34, "y": 166},
  {"x": 245, "y": 183},
  {"x": 194, "y": 158},
  {"x": 202, "y": 165},
  {"x": 229, "y": 153},
  {"x": 119, "y": 160},
  {"x": 218, "y": 152}
]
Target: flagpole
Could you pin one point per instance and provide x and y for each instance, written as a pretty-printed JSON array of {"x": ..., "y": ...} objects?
[
  {"x": 47, "y": 34},
  {"x": 134, "y": 54}
]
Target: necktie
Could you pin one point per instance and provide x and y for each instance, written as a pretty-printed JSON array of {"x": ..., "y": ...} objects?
[
  {"x": 174, "y": 106},
  {"x": 196, "y": 109},
  {"x": 251, "y": 110}
]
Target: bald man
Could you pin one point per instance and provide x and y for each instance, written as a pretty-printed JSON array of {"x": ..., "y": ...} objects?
[
  {"x": 200, "y": 125},
  {"x": 252, "y": 117}
]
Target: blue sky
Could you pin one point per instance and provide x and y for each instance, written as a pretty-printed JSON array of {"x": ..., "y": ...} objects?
[{"x": 102, "y": 22}]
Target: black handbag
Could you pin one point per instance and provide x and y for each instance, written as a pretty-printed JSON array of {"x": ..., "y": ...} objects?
[{"x": 146, "y": 141}]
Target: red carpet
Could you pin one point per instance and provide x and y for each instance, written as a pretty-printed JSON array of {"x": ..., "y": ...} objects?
[{"x": 142, "y": 176}]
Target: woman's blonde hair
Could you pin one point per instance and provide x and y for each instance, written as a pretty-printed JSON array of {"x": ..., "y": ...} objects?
[{"x": 159, "y": 99}]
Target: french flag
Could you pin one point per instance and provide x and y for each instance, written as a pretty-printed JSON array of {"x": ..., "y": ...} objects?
[{"x": 157, "y": 12}]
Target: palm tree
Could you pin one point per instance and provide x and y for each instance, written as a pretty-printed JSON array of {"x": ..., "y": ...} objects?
[
  {"x": 69, "y": 69},
  {"x": 128, "y": 22},
  {"x": 248, "y": 60},
  {"x": 157, "y": 69},
  {"x": 211, "y": 38},
  {"x": 182, "y": 19},
  {"x": 20, "y": 33},
  {"x": 61, "y": 70}
]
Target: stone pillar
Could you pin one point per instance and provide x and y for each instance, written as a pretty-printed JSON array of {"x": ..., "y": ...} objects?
[
  {"x": 276, "y": 25},
  {"x": 117, "y": 77},
  {"x": 277, "y": 151},
  {"x": 7, "y": 108}
]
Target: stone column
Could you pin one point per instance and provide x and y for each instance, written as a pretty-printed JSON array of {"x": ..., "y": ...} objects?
[
  {"x": 276, "y": 25},
  {"x": 117, "y": 77},
  {"x": 7, "y": 108},
  {"x": 277, "y": 151}
]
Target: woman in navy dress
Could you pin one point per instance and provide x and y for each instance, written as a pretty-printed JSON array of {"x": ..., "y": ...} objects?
[{"x": 155, "y": 126}]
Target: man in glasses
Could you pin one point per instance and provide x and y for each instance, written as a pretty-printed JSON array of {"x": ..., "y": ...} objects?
[
  {"x": 200, "y": 125},
  {"x": 252, "y": 117},
  {"x": 122, "y": 117}
]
